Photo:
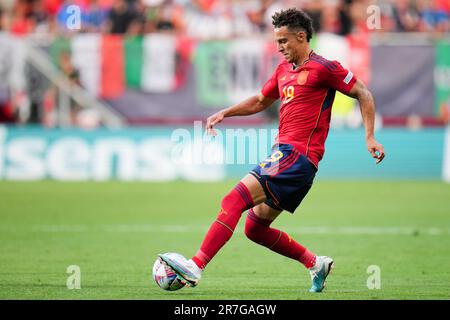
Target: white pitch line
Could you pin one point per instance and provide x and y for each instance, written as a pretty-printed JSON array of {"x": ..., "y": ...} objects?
[{"x": 148, "y": 228}]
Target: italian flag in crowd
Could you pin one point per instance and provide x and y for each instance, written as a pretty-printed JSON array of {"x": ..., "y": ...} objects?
[
  {"x": 108, "y": 64},
  {"x": 226, "y": 71}
]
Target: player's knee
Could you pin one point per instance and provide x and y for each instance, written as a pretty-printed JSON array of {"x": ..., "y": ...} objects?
[
  {"x": 237, "y": 200},
  {"x": 233, "y": 205},
  {"x": 227, "y": 201}
]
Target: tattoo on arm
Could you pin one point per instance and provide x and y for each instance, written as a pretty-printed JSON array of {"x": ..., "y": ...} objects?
[{"x": 360, "y": 91}]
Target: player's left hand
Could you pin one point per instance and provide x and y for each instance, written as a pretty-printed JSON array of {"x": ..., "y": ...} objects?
[
  {"x": 376, "y": 150},
  {"x": 212, "y": 121}
]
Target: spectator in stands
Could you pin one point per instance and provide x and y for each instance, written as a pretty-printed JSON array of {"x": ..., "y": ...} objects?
[
  {"x": 151, "y": 13},
  {"x": 358, "y": 15},
  {"x": 330, "y": 18},
  {"x": 22, "y": 18},
  {"x": 204, "y": 20},
  {"x": 52, "y": 6},
  {"x": 3, "y": 20},
  {"x": 165, "y": 17},
  {"x": 406, "y": 16},
  {"x": 220, "y": 18},
  {"x": 73, "y": 74},
  {"x": 344, "y": 17},
  {"x": 120, "y": 17},
  {"x": 39, "y": 16},
  {"x": 94, "y": 17},
  {"x": 434, "y": 15}
]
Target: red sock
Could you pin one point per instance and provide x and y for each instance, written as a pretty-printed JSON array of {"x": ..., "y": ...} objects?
[
  {"x": 258, "y": 230},
  {"x": 233, "y": 204}
]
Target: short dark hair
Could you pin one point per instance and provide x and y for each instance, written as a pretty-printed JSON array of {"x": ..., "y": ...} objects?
[{"x": 294, "y": 20}]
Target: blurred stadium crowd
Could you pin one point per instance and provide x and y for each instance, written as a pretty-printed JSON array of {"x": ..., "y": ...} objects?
[
  {"x": 202, "y": 20},
  {"x": 218, "y": 18}
]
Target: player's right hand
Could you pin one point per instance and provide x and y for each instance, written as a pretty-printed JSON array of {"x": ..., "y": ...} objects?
[
  {"x": 376, "y": 150},
  {"x": 212, "y": 121}
]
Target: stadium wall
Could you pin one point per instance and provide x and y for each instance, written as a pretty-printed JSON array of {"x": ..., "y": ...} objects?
[{"x": 165, "y": 154}]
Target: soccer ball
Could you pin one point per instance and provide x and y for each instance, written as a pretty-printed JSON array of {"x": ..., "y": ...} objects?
[{"x": 165, "y": 277}]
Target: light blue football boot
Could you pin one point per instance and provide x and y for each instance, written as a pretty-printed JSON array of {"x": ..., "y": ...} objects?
[
  {"x": 320, "y": 272},
  {"x": 186, "y": 269}
]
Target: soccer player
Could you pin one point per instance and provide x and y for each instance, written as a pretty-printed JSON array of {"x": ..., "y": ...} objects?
[{"x": 306, "y": 83}]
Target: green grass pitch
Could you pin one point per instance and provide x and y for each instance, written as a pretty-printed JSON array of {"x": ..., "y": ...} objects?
[{"x": 113, "y": 232}]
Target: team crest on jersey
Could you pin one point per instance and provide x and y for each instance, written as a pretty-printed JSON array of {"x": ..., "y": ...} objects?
[{"x": 302, "y": 77}]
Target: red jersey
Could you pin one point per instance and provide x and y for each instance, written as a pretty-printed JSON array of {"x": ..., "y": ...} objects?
[{"x": 307, "y": 94}]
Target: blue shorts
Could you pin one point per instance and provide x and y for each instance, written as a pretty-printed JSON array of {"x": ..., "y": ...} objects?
[{"x": 286, "y": 177}]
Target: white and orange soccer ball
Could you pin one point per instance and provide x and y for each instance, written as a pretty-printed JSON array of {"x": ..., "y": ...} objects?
[{"x": 165, "y": 278}]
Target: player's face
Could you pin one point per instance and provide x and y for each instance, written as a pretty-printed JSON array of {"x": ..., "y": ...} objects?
[{"x": 289, "y": 43}]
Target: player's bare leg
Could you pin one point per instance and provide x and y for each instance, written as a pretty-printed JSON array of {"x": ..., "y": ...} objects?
[
  {"x": 245, "y": 195},
  {"x": 257, "y": 229},
  {"x": 263, "y": 211},
  {"x": 255, "y": 189}
]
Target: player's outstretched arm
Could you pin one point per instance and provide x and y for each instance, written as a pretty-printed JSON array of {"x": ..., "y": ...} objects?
[
  {"x": 247, "y": 107},
  {"x": 367, "y": 106}
]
